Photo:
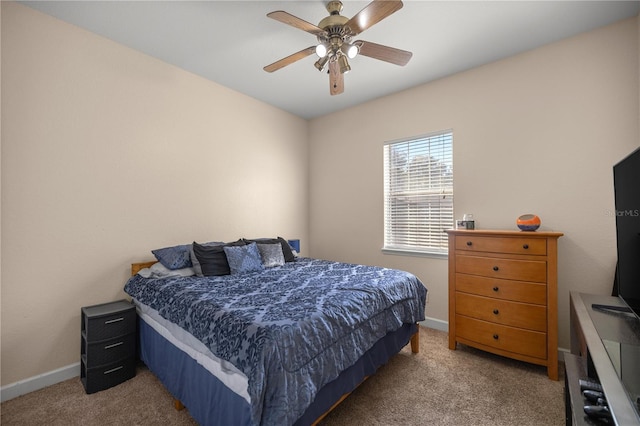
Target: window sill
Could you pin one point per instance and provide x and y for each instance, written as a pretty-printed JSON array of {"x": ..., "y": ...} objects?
[{"x": 414, "y": 252}]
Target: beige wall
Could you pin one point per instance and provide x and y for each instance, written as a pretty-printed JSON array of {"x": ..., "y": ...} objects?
[
  {"x": 535, "y": 133},
  {"x": 107, "y": 154}
]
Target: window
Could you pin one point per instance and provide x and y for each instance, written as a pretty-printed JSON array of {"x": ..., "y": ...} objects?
[{"x": 418, "y": 193}]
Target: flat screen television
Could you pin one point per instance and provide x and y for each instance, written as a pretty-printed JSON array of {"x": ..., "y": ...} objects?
[{"x": 626, "y": 179}]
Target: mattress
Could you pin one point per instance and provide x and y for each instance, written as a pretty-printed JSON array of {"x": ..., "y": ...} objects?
[{"x": 232, "y": 378}]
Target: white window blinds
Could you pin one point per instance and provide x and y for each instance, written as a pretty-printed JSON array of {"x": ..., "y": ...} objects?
[{"x": 418, "y": 193}]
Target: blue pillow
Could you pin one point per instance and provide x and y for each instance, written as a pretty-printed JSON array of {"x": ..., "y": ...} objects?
[
  {"x": 243, "y": 258},
  {"x": 176, "y": 257}
]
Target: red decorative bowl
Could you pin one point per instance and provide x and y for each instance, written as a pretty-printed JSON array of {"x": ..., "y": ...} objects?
[{"x": 528, "y": 222}]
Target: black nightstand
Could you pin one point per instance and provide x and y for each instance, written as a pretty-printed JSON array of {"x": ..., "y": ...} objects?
[{"x": 108, "y": 347}]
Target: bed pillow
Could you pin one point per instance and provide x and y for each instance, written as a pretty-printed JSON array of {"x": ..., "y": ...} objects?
[
  {"x": 271, "y": 254},
  {"x": 286, "y": 248},
  {"x": 243, "y": 259},
  {"x": 213, "y": 259},
  {"x": 197, "y": 268},
  {"x": 158, "y": 270},
  {"x": 175, "y": 257}
]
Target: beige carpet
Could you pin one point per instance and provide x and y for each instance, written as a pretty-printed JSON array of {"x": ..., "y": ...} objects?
[{"x": 435, "y": 387}]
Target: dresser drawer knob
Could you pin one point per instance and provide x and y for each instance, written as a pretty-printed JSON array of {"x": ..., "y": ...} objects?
[
  {"x": 469, "y": 243},
  {"x": 496, "y": 288},
  {"x": 495, "y": 336},
  {"x": 495, "y": 268},
  {"x": 496, "y": 312},
  {"x": 525, "y": 246}
]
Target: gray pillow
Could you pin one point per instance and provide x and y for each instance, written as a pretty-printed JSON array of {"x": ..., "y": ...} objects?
[{"x": 271, "y": 254}]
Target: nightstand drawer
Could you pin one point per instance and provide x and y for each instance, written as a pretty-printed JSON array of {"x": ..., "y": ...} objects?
[
  {"x": 519, "y": 291},
  {"x": 514, "y": 314},
  {"x": 511, "y": 339},
  {"x": 107, "y": 351},
  {"x": 518, "y": 245},
  {"x": 510, "y": 269},
  {"x": 107, "y": 321},
  {"x": 106, "y": 376}
]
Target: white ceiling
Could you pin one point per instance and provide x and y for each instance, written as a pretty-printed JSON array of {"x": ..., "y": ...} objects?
[{"x": 230, "y": 41}]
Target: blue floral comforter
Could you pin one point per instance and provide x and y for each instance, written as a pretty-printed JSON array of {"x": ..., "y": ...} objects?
[{"x": 291, "y": 329}]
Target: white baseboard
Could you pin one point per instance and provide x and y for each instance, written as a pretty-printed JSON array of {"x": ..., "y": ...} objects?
[
  {"x": 40, "y": 381},
  {"x": 435, "y": 324}
]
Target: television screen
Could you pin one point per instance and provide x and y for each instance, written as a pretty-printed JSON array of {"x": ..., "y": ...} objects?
[{"x": 626, "y": 178}]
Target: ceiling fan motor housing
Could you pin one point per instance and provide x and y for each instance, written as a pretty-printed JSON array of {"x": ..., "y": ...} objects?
[{"x": 336, "y": 31}]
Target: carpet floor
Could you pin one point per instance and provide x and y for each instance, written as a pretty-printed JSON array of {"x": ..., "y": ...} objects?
[{"x": 435, "y": 387}]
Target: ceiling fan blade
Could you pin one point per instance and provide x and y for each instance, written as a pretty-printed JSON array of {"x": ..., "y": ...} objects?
[
  {"x": 373, "y": 13},
  {"x": 336, "y": 79},
  {"x": 290, "y": 59},
  {"x": 385, "y": 53},
  {"x": 294, "y": 21}
]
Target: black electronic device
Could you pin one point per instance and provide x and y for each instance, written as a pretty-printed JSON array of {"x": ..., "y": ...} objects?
[
  {"x": 590, "y": 384},
  {"x": 598, "y": 411},
  {"x": 594, "y": 397},
  {"x": 626, "y": 179}
]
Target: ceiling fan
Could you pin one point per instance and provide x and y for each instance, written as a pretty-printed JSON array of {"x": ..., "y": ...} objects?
[{"x": 334, "y": 34}]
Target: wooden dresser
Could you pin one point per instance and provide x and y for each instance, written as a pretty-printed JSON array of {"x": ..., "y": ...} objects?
[{"x": 503, "y": 294}]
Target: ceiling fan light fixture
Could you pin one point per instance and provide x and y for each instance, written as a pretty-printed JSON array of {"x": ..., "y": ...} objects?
[
  {"x": 321, "y": 50},
  {"x": 344, "y": 64},
  {"x": 320, "y": 63},
  {"x": 351, "y": 50}
]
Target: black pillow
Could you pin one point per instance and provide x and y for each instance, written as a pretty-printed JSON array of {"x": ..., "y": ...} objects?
[
  {"x": 286, "y": 248},
  {"x": 213, "y": 259}
]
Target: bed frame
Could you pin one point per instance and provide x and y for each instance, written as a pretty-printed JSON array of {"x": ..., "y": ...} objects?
[{"x": 415, "y": 346}]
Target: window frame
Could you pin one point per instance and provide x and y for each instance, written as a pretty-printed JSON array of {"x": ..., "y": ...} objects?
[{"x": 422, "y": 229}]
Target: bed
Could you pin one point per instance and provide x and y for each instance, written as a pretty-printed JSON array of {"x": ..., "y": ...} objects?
[{"x": 278, "y": 345}]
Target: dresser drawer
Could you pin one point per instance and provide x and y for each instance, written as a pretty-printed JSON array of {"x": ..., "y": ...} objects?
[
  {"x": 515, "y": 314},
  {"x": 510, "y": 269},
  {"x": 517, "y": 245},
  {"x": 511, "y": 339},
  {"x": 519, "y": 291}
]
